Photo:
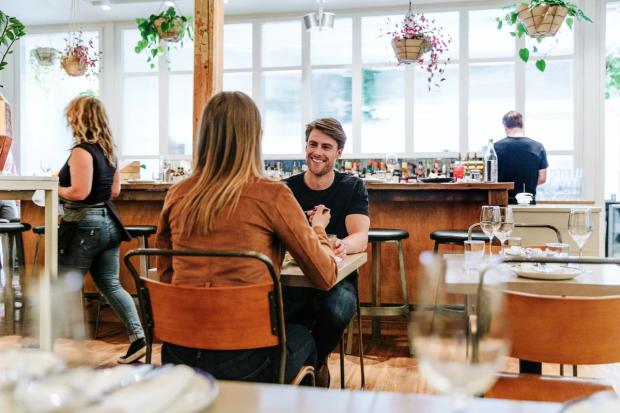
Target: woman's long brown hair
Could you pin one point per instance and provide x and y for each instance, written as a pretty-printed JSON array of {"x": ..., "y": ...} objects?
[
  {"x": 89, "y": 122},
  {"x": 226, "y": 159}
]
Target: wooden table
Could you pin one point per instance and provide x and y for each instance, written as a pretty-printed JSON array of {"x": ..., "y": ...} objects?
[
  {"x": 238, "y": 397},
  {"x": 601, "y": 280},
  {"x": 294, "y": 277},
  {"x": 22, "y": 188}
]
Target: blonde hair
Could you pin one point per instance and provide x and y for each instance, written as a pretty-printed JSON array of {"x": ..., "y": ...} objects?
[
  {"x": 89, "y": 122},
  {"x": 226, "y": 158}
]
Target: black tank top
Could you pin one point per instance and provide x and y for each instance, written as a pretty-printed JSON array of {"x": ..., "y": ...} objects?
[{"x": 103, "y": 175}]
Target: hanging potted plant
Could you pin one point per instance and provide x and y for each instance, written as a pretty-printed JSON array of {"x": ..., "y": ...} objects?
[
  {"x": 539, "y": 19},
  {"x": 79, "y": 57},
  {"x": 44, "y": 57},
  {"x": 417, "y": 39},
  {"x": 167, "y": 27},
  {"x": 11, "y": 29}
]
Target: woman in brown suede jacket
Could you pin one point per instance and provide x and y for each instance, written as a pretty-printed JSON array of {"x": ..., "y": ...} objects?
[{"x": 228, "y": 204}]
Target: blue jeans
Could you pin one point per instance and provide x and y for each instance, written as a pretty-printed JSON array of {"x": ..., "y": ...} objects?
[
  {"x": 328, "y": 311},
  {"x": 95, "y": 247},
  {"x": 258, "y": 365}
]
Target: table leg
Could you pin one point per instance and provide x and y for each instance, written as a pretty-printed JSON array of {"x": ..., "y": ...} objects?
[
  {"x": 50, "y": 269},
  {"x": 376, "y": 288}
]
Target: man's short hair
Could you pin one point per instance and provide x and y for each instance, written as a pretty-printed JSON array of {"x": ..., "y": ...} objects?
[
  {"x": 329, "y": 126},
  {"x": 513, "y": 119}
]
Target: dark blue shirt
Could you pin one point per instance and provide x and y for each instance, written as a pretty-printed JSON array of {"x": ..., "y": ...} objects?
[{"x": 518, "y": 161}]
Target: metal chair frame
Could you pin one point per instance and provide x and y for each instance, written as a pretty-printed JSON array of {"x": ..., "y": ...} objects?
[{"x": 276, "y": 304}]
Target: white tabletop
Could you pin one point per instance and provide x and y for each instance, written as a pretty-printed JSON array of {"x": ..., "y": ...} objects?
[
  {"x": 294, "y": 277},
  {"x": 236, "y": 397},
  {"x": 598, "y": 280}
]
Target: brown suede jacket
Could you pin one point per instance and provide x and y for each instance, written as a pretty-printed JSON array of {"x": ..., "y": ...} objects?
[{"x": 267, "y": 219}]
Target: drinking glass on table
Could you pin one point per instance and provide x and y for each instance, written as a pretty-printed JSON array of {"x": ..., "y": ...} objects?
[
  {"x": 458, "y": 351},
  {"x": 506, "y": 225},
  {"x": 391, "y": 161},
  {"x": 490, "y": 219},
  {"x": 473, "y": 254},
  {"x": 580, "y": 226}
]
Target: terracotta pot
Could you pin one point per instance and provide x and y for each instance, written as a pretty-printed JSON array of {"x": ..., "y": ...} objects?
[
  {"x": 72, "y": 65},
  {"x": 173, "y": 34},
  {"x": 541, "y": 21},
  {"x": 409, "y": 50}
]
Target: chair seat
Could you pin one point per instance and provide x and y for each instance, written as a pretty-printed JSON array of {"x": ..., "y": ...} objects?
[
  {"x": 13, "y": 228},
  {"x": 457, "y": 236},
  {"x": 39, "y": 229},
  {"x": 141, "y": 230},
  {"x": 386, "y": 234}
]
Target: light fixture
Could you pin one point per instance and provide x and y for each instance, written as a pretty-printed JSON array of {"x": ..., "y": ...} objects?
[
  {"x": 105, "y": 5},
  {"x": 170, "y": 3},
  {"x": 319, "y": 20}
]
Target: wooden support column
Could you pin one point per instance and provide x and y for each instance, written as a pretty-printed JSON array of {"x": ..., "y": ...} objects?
[{"x": 208, "y": 54}]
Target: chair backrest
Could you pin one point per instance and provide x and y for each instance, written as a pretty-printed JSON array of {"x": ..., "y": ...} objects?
[
  {"x": 213, "y": 318},
  {"x": 567, "y": 330}
]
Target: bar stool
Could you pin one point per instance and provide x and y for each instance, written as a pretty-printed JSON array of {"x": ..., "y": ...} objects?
[
  {"x": 142, "y": 232},
  {"x": 455, "y": 237},
  {"x": 377, "y": 236},
  {"x": 12, "y": 258},
  {"x": 360, "y": 344}
]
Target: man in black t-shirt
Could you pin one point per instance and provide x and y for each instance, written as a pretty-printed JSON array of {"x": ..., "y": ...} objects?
[
  {"x": 519, "y": 159},
  {"x": 347, "y": 198}
]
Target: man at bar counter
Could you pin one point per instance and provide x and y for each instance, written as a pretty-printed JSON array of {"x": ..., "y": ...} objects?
[
  {"x": 520, "y": 159},
  {"x": 329, "y": 312}
]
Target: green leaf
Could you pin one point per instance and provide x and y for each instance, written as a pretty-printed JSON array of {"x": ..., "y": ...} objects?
[
  {"x": 539, "y": 39},
  {"x": 569, "y": 22},
  {"x": 541, "y": 65},
  {"x": 524, "y": 54},
  {"x": 535, "y": 49},
  {"x": 10, "y": 35},
  {"x": 521, "y": 29},
  {"x": 499, "y": 23},
  {"x": 154, "y": 52}
]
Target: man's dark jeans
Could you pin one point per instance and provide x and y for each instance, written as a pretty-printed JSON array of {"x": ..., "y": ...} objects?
[
  {"x": 329, "y": 312},
  {"x": 259, "y": 365}
]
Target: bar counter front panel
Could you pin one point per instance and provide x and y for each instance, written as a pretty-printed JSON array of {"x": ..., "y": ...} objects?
[{"x": 417, "y": 208}]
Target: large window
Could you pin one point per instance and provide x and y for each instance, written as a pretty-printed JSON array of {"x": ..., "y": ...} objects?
[
  {"x": 45, "y": 138},
  {"x": 612, "y": 107}
]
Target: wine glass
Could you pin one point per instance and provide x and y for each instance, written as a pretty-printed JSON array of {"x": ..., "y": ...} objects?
[
  {"x": 490, "y": 219},
  {"x": 507, "y": 224},
  {"x": 391, "y": 161},
  {"x": 46, "y": 167},
  {"x": 458, "y": 351},
  {"x": 580, "y": 226}
]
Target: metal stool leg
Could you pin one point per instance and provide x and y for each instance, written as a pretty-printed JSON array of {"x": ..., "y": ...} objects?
[
  {"x": 143, "y": 243},
  {"x": 376, "y": 288},
  {"x": 7, "y": 266},
  {"x": 98, "y": 315},
  {"x": 403, "y": 281},
  {"x": 360, "y": 341},
  {"x": 342, "y": 361},
  {"x": 350, "y": 338}
]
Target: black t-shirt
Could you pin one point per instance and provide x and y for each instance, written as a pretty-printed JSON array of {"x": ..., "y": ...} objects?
[
  {"x": 103, "y": 175},
  {"x": 347, "y": 195},
  {"x": 518, "y": 161}
]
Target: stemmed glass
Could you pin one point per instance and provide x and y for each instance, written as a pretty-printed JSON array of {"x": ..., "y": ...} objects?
[
  {"x": 45, "y": 166},
  {"x": 507, "y": 224},
  {"x": 458, "y": 351},
  {"x": 580, "y": 226},
  {"x": 391, "y": 161},
  {"x": 490, "y": 220}
]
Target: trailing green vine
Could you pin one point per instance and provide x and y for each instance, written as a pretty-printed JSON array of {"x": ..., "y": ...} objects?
[{"x": 518, "y": 29}]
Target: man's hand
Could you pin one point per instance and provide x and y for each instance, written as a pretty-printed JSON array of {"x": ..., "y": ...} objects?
[{"x": 339, "y": 248}]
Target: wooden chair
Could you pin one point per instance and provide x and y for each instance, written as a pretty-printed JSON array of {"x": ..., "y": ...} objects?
[
  {"x": 552, "y": 329},
  {"x": 230, "y": 318}
]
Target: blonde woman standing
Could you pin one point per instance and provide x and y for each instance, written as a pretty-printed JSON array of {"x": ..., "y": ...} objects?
[
  {"x": 91, "y": 231},
  {"x": 228, "y": 204}
]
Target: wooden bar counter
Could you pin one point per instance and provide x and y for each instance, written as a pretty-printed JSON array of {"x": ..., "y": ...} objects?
[{"x": 417, "y": 208}]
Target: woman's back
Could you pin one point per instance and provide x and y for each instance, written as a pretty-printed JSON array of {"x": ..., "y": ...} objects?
[
  {"x": 103, "y": 175},
  {"x": 266, "y": 217}
]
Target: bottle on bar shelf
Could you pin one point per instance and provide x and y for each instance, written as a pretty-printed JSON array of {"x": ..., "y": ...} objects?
[{"x": 490, "y": 163}]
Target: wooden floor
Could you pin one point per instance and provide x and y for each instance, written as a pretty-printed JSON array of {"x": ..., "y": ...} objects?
[{"x": 388, "y": 366}]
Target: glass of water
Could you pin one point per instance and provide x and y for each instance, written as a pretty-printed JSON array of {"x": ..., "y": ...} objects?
[
  {"x": 506, "y": 225},
  {"x": 490, "y": 220},
  {"x": 459, "y": 350}
]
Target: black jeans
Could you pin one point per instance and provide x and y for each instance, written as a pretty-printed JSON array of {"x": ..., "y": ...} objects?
[
  {"x": 259, "y": 365},
  {"x": 331, "y": 311}
]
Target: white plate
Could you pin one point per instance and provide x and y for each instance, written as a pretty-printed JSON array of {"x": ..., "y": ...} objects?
[
  {"x": 554, "y": 272},
  {"x": 602, "y": 402}
]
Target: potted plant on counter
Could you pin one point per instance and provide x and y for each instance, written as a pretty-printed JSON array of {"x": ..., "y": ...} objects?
[
  {"x": 79, "y": 57},
  {"x": 11, "y": 29},
  {"x": 417, "y": 39},
  {"x": 167, "y": 27},
  {"x": 539, "y": 19}
]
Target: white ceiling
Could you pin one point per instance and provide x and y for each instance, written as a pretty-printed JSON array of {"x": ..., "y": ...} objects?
[{"x": 40, "y": 12}]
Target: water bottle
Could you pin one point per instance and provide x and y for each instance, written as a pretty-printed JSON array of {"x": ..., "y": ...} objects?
[{"x": 490, "y": 164}]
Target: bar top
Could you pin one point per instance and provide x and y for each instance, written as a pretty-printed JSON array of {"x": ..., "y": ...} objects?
[{"x": 373, "y": 185}]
